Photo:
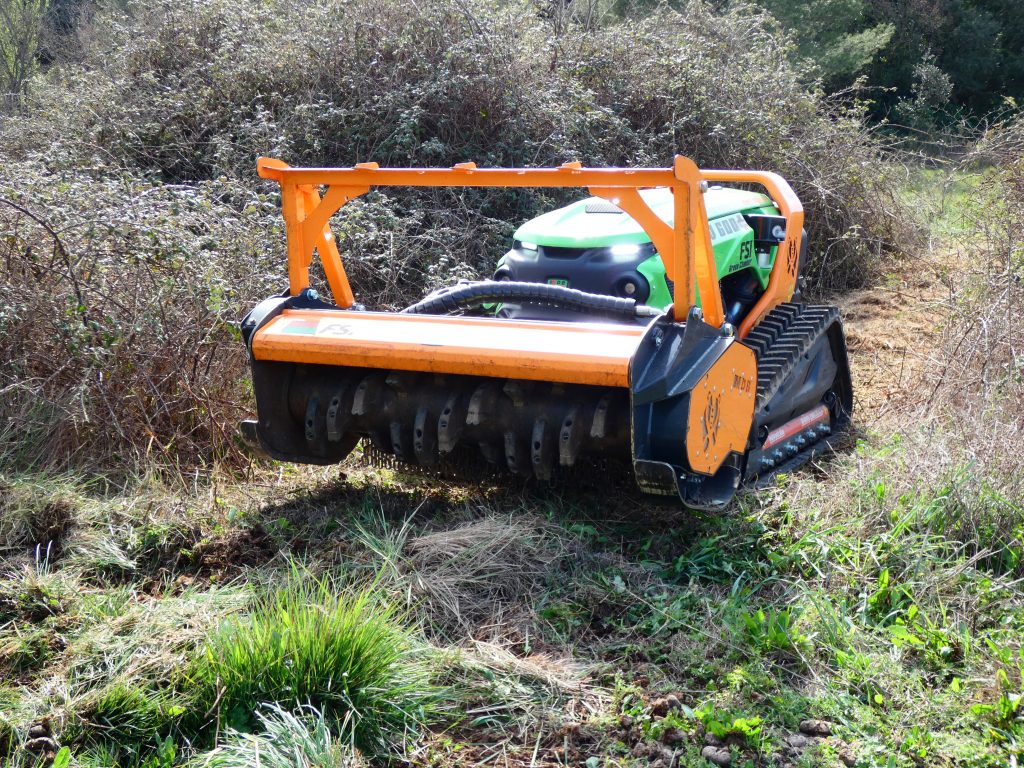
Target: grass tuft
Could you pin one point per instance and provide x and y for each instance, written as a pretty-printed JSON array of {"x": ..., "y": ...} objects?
[
  {"x": 286, "y": 740},
  {"x": 306, "y": 644}
]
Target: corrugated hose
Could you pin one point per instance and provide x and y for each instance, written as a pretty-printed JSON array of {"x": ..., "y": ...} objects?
[{"x": 468, "y": 295}]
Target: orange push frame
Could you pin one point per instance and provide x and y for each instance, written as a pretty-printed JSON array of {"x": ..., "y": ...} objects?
[{"x": 684, "y": 246}]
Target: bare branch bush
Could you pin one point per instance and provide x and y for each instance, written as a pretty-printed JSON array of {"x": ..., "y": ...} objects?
[
  {"x": 135, "y": 232},
  {"x": 119, "y": 325}
]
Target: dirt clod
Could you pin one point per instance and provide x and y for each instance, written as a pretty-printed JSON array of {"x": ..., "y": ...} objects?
[
  {"x": 798, "y": 741},
  {"x": 816, "y": 727},
  {"x": 673, "y": 736},
  {"x": 846, "y": 757},
  {"x": 225, "y": 556},
  {"x": 717, "y": 755},
  {"x": 43, "y": 745},
  {"x": 661, "y": 707}
]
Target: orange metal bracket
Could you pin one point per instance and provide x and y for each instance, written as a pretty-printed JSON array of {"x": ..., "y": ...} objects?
[{"x": 684, "y": 246}]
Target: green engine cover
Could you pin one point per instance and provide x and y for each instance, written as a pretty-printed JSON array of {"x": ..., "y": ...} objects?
[{"x": 595, "y": 223}]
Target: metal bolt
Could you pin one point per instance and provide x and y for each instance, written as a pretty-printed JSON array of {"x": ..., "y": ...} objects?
[{"x": 728, "y": 330}]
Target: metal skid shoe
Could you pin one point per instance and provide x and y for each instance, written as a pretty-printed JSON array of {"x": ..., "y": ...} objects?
[{"x": 692, "y": 402}]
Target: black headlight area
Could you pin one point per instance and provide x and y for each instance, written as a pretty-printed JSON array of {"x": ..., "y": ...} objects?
[
  {"x": 633, "y": 285},
  {"x": 608, "y": 270}
]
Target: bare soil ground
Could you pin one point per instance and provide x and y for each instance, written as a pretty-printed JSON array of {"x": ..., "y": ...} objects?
[{"x": 893, "y": 331}]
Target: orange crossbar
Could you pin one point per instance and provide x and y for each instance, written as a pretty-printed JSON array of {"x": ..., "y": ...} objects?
[
  {"x": 684, "y": 246},
  {"x": 571, "y": 353}
]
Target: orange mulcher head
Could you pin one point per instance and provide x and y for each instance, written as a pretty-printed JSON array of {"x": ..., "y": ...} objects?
[{"x": 677, "y": 393}]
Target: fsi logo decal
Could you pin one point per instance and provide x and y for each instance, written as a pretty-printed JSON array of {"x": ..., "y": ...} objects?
[{"x": 333, "y": 328}]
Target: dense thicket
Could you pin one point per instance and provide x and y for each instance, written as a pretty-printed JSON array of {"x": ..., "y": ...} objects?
[{"x": 136, "y": 231}]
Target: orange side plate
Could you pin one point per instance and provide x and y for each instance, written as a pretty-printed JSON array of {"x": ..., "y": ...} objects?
[{"x": 570, "y": 353}]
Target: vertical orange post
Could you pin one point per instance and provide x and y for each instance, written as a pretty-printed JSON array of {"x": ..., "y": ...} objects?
[
  {"x": 306, "y": 218},
  {"x": 782, "y": 281},
  {"x": 298, "y": 261},
  {"x": 701, "y": 270}
]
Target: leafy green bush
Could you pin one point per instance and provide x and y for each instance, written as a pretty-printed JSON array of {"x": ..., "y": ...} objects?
[{"x": 305, "y": 644}]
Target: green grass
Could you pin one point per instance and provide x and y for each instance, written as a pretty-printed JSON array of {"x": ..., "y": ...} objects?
[
  {"x": 879, "y": 593},
  {"x": 944, "y": 198},
  {"x": 344, "y": 653},
  {"x": 286, "y": 739}
]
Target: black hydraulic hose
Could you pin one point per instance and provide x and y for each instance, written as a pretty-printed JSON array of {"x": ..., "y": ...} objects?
[{"x": 467, "y": 295}]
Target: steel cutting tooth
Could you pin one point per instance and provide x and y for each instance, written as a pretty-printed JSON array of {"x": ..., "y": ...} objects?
[
  {"x": 451, "y": 422},
  {"x": 511, "y": 454},
  {"x": 398, "y": 381},
  {"x": 366, "y": 394},
  {"x": 400, "y": 442},
  {"x": 570, "y": 437},
  {"x": 338, "y": 413},
  {"x": 313, "y": 424},
  {"x": 481, "y": 404},
  {"x": 541, "y": 451},
  {"x": 424, "y": 437},
  {"x": 599, "y": 426},
  {"x": 517, "y": 391},
  {"x": 517, "y": 454}
]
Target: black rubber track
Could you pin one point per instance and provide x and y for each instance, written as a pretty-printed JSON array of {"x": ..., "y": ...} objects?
[{"x": 779, "y": 341}]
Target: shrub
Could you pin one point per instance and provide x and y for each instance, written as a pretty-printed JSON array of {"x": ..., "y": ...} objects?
[
  {"x": 192, "y": 91},
  {"x": 305, "y": 644},
  {"x": 134, "y": 232},
  {"x": 118, "y": 327},
  {"x": 983, "y": 363}
]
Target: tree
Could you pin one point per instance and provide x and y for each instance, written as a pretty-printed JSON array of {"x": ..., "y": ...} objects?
[
  {"x": 833, "y": 34},
  {"x": 21, "y": 22}
]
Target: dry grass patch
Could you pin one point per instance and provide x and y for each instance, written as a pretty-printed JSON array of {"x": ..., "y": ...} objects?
[{"x": 481, "y": 573}]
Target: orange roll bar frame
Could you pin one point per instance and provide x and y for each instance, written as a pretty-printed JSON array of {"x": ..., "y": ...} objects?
[{"x": 684, "y": 246}]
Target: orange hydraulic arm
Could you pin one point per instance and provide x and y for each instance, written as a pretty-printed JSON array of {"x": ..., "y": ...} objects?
[{"x": 684, "y": 245}]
